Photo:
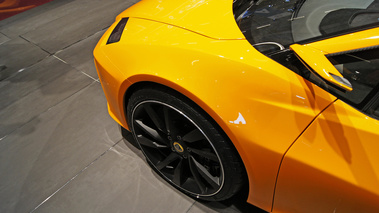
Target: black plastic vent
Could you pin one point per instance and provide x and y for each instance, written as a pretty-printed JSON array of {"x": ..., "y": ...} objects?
[{"x": 117, "y": 32}]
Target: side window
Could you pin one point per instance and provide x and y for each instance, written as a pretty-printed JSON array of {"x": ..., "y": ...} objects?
[
  {"x": 273, "y": 25},
  {"x": 375, "y": 111},
  {"x": 361, "y": 69}
]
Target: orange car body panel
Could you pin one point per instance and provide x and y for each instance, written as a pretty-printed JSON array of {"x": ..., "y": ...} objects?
[
  {"x": 208, "y": 70},
  {"x": 339, "y": 152},
  {"x": 185, "y": 14},
  {"x": 262, "y": 106},
  {"x": 351, "y": 41}
]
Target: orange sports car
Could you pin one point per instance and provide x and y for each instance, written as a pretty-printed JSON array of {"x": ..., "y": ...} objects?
[{"x": 280, "y": 96}]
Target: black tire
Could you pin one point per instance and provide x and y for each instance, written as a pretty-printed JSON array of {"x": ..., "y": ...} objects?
[{"x": 183, "y": 145}]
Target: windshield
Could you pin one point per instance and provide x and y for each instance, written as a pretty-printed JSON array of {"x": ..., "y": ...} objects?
[{"x": 273, "y": 25}]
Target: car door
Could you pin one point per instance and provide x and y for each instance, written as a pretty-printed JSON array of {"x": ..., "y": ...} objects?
[{"x": 334, "y": 164}]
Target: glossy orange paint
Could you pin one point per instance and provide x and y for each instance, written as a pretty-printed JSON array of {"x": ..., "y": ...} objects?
[
  {"x": 339, "y": 152},
  {"x": 185, "y": 14},
  {"x": 171, "y": 45},
  {"x": 319, "y": 64},
  {"x": 208, "y": 70},
  {"x": 351, "y": 41}
]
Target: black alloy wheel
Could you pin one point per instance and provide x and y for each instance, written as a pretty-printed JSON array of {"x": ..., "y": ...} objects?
[{"x": 182, "y": 146}]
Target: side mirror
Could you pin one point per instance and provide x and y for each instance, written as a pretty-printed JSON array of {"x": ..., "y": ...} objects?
[{"x": 317, "y": 62}]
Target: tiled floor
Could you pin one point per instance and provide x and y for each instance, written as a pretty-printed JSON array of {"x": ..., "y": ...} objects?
[{"x": 59, "y": 149}]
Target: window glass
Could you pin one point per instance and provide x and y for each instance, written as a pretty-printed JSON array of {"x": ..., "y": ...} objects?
[
  {"x": 361, "y": 69},
  {"x": 375, "y": 110},
  {"x": 273, "y": 25}
]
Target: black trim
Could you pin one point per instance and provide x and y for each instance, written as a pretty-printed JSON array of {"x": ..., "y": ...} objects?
[
  {"x": 117, "y": 31},
  {"x": 352, "y": 51}
]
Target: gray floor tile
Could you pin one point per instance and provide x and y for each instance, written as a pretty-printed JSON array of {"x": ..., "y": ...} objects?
[
  {"x": 23, "y": 110},
  {"x": 120, "y": 181},
  {"x": 199, "y": 208},
  {"x": 23, "y": 83},
  {"x": 3, "y": 38},
  {"x": 77, "y": 26},
  {"x": 40, "y": 157},
  {"x": 17, "y": 54},
  {"x": 80, "y": 55}
]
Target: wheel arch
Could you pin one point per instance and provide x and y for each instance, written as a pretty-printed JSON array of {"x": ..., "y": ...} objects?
[
  {"x": 192, "y": 99},
  {"x": 142, "y": 81},
  {"x": 178, "y": 90}
]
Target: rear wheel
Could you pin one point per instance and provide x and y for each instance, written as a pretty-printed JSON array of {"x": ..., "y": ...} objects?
[{"x": 183, "y": 146}]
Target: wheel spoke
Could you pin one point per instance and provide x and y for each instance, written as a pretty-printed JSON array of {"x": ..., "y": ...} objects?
[
  {"x": 205, "y": 154},
  {"x": 178, "y": 173},
  {"x": 213, "y": 181},
  {"x": 167, "y": 119},
  {"x": 150, "y": 131},
  {"x": 155, "y": 118},
  {"x": 193, "y": 136},
  {"x": 169, "y": 159},
  {"x": 149, "y": 143},
  {"x": 196, "y": 175},
  {"x": 159, "y": 126}
]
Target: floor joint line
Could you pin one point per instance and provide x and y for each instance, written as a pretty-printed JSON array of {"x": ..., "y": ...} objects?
[{"x": 75, "y": 176}]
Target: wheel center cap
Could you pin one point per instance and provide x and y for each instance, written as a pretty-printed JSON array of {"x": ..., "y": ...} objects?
[{"x": 178, "y": 147}]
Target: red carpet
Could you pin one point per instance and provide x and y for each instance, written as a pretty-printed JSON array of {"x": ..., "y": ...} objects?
[{"x": 10, "y": 8}]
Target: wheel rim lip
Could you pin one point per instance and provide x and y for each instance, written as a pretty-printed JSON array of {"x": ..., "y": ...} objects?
[{"x": 222, "y": 176}]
